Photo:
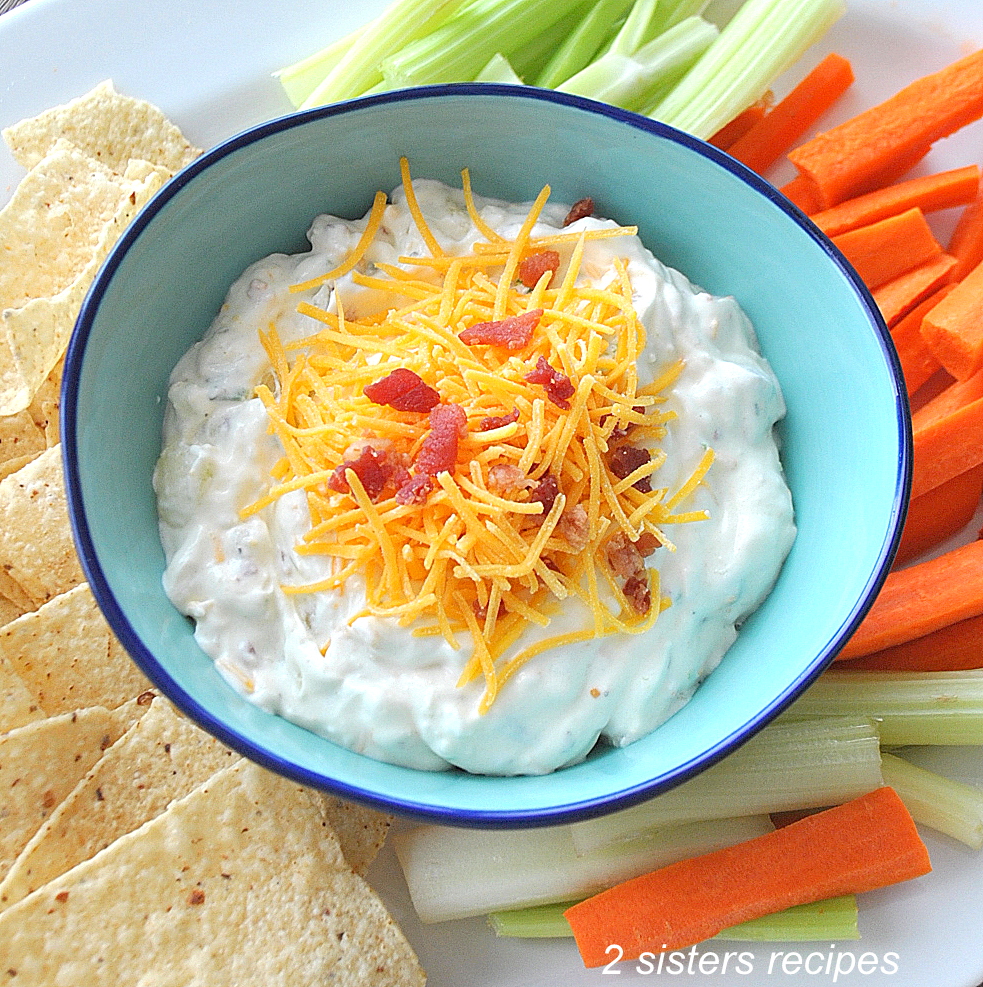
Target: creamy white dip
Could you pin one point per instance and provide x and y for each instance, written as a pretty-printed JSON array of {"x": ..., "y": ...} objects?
[{"x": 380, "y": 690}]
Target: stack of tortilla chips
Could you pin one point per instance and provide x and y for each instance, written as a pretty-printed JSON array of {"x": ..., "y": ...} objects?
[{"x": 134, "y": 847}]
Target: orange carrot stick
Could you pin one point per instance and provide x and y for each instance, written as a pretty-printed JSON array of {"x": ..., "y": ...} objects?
[
  {"x": 939, "y": 514},
  {"x": 800, "y": 192},
  {"x": 883, "y": 251},
  {"x": 942, "y": 190},
  {"x": 867, "y": 843},
  {"x": 867, "y": 151},
  {"x": 955, "y": 648},
  {"x": 898, "y": 297},
  {"x": 953, "y": 329},
  {"x": 966, "y": 242},
  {"x": 921, "y": 599},
  {"x": 949, "y": 400},
  {"x": 918, "y": 363},
  {"x": 741, "y": 124},
  {"x": 946, "y": 447},
  {"x": 776, "y": 133}
]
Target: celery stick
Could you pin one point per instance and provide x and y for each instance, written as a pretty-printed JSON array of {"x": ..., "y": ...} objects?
[
  {"x": 582, "y": 44},
  {"x": 948, "y": 806},
  {"x": 531, "y": 59},
  {"x": 634, "y": 31},
  {"x": 628, "y": 80},
  {"x": 401, "y": 23},
  {"x": 910, "y": 708},
  {"x": 832, "y": 919},
  {"x": 763, "y": 39},
  {"x": 302, "y": 78},
  {"x": 498, "y": 69},
  {"x": 795, "y": 765},
  {"x": 671, "y": 12},
  {"x": 451, "y": 874},
  {"x": 460, "y": 48}
]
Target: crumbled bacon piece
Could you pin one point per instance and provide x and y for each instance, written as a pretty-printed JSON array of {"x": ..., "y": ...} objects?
[
  {"x": 545, "y": 492},
  {"x": 513, "y": 332},
  {"x": 438, "y": 452},
  {"x": 374, "y": 469},
  {"x": 627, "y": 562},
  {"x": 415, "y": 489},
  {"x": 559, "y": 387},
  {"x": 503, "y": 477},
  {"x": 579, "y": 210},
  {"x": 497, "y": 421},
  {"x": 647, "y": 543},
  {"x": 625, "y": 459},
  {"x": 638, "y": 592},
  {"x": 403, "y": 390},
  {"x": 574, "y": 527},
  {"x": 533, "y": 267}
]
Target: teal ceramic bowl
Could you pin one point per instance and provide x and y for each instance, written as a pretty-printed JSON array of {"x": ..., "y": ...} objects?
[{"x": 846, "y": 438}]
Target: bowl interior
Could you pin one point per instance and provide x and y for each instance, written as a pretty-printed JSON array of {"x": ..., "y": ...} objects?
[{"x": 845, "y": 440}]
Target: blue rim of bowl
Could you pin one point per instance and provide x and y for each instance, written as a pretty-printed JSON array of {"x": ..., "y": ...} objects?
[{"x": 546, "y": 815}]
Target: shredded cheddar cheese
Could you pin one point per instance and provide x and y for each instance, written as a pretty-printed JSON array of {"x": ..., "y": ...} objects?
[{"x": 527, "y": 514}]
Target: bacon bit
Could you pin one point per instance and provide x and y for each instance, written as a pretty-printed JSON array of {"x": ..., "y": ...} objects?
[
  {"x": 545, "y": 493},
  {"x": 579, "y": 210},
  {"x": 623, "y": 556},
  {"x": 448, "y": 424},
  {"x": 503, "y": 477},
  {"x": 559, "y": 387},
  {"x": 647, "y": 543},
  {"x": 638, "y": 594},
  {"x": 513, "y": 332},
  {"x": 403, "y": 390},
  {"x": 415, "y": 489},
  {"x": 533, "y": 267},
  {"x": 574, "y": 526},
  {"x": 625, "y": 459},
  {"x": 374, "y": 469},
  {"x": 487, "y": 424}
]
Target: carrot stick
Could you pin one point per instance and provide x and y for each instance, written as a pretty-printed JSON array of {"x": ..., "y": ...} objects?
[
  {"x": 942, "y": 190},
  {"x": 955, "y": 648},
  {"x": 953, "y": 329},
  {"x": 898, "y": 297},
  {"x": 775, "y": 134},
  {"x": 801, "y": 193},
  {"x": 946, "y": 447},
  {"x": 966, "y": 242},
  {"x": 949, "y": 400},
  {"x": 940, "y": 513},
  {"x": 883, "y": 251},
  {"x": 867, "y": 843},
  {"x": 867, "y": 151},
  {"x": 918, "y": 363},
  {"x": 921, "y": 599},
  {"x": 741, "y": 124}
]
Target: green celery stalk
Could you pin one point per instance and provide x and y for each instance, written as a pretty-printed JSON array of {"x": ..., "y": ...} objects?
[
  {"x": 628, "y": 80},
  {"x": 763, "y": 38},
  {"x": 943, "y": 804},
  {"x": 531, "y": 59},
  {"x": 582, "y": 44},
  {"x": 498, "y": 69},
  {"x": 832, "y": 919},
  {"x": 460, "y": 48},
  {"x": 301, "y": 78},
  {"x": 400, "y": 23},
  {"x": 795, "y": 765},
  {"x": 452, "y": 875},
  {"x": 671, "y": 12},
  {"x": 910, "y": 708},
  {"x": 634, "y": 32}
]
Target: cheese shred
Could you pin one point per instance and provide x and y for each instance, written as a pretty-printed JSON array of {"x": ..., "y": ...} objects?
[{"x": 526, "y": 515}]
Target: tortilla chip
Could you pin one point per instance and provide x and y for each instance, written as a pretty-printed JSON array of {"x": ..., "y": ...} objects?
[
  {"x": 106, "y": 125},
  {"x": 40, "y": 763},
  {"x": 239, "y": 882},
  {"x": 46, "y": 406},
  {"x": 36, "y": 546},
  {"x": 69, "y": 657},
  {"x": 17, "y": 706},
  {"x": 36, "y": 327},
  {"x": 20, "y": 439},
  {"x": 162, "y": 757},
  {"x": 361, "y": 831},
  {"x": 14, "y": 593},
  {"x": 9, "y": 610}
]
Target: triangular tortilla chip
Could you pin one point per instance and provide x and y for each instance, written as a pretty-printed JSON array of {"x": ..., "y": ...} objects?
[
  {"x": 360, "y": 830},
  {"x": 68, "y": 656},
  {"x": 40, "y": 763},
  {"x": 17, "y": 706},
  {"x": 36, "y": 546},
  {"x": 239, "y": 883},
  {"x": 162, "y": 757},
  {"x": 106, "y": 125}
]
